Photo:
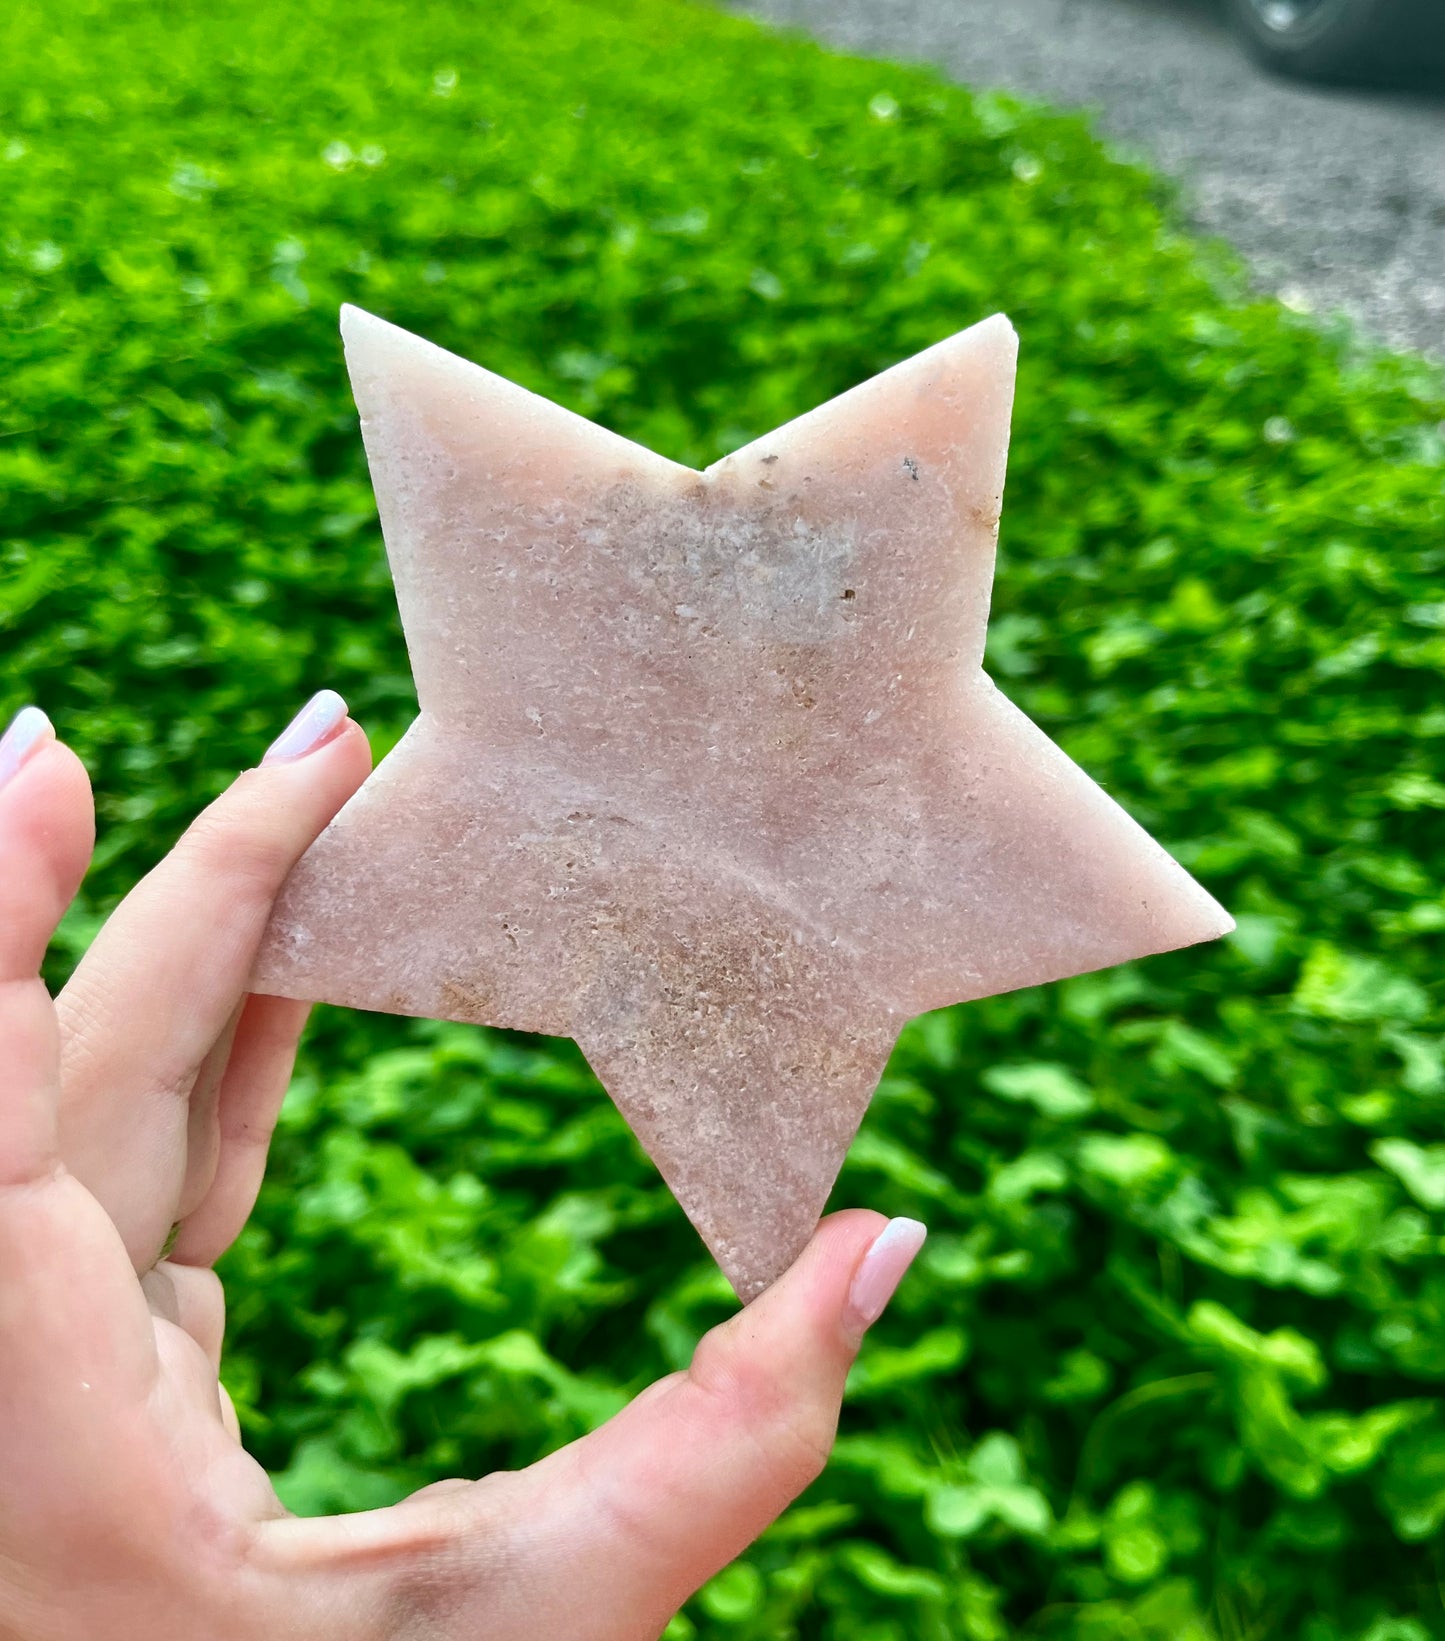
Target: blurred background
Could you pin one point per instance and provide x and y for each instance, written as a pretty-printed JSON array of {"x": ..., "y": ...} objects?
[
  {"x": 1172, "y": 1363},
  {"x": 1309, "y": 133}
]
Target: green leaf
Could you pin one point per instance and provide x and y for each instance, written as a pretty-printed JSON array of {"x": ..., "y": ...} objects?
[
  {"x": 1412, "y": 1489},
  {"x": 1135, "y": 1554},
  {"x": 997, "y": 1461},
  {"x": 957, "y": 1511},
  {"x": 1340, "y": 985},
  {"x": 879, "y": 1572},
  {"x": 1419, "y": 1168},
  {"x": 1125, "y": 1160},
  {"x": 1285, "y": 1349},
  {"x": 734, "y": 1594},
  {"x": 1053, "y": 1089}
]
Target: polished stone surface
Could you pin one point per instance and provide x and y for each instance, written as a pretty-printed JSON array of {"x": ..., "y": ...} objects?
[{"x": 707, "y": 775}]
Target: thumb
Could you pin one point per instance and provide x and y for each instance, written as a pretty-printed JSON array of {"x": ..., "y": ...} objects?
[{"x": 628, "y": 1522}]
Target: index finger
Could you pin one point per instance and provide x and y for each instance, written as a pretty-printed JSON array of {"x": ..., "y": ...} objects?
[{"x": 164, "y": 977}]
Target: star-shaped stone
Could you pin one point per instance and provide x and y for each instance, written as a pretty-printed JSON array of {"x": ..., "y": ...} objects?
[{"x": 707, "y": 774}]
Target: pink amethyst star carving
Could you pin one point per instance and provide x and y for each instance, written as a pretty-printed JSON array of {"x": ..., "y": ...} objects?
[{"x": 707, "y": 774}]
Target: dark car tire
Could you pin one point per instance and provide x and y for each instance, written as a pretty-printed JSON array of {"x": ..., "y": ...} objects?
[{"x": 1347, "y": 40}]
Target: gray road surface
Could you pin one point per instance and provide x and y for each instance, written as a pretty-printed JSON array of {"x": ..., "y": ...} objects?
[{"x": 1337, "y": 198}]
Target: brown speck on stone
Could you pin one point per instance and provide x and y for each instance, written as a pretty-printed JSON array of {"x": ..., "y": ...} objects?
[{"x": 465, "y": 1000}]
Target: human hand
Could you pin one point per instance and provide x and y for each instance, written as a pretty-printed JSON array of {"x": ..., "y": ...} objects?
[{"x": 145, "y": 1096}]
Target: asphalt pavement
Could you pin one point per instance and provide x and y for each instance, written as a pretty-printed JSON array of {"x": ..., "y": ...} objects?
[{"x": 1336, "y": 197}]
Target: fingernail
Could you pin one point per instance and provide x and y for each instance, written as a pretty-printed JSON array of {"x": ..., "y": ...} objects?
[
  {"x": 308, "y": 729},
  {"x": 884, "y": 1265},
  {"x": 27, "y": 729}
]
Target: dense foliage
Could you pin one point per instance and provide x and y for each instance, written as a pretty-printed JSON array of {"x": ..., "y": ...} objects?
[{"x": 1172, "y": 1364}]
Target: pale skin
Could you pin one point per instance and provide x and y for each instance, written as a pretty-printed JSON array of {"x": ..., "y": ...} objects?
[{"x": 145, "y": 1096}]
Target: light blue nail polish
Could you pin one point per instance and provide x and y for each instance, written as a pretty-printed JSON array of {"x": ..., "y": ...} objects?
[
  {"x": 27, "y": 728},
  {"x": 308, "y": 729}
]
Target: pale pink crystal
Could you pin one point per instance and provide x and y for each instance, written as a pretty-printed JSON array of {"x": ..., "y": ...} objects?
[{"x": 707, "y": 775}]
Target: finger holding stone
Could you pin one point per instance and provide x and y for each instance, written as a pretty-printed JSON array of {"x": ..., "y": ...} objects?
[
  {"x": 604, "y": 1540},
  {"x": 154, "y": 995},
  {"x": 651, "y": 1504}
]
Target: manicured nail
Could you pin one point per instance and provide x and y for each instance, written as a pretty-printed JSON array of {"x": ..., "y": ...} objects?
[
  {"x": 27, "y": 729},
  {"x": 308, "y": 729},
  {"x": 882, "y": 1269}
]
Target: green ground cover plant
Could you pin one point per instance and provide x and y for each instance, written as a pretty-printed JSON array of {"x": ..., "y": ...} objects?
[{"x": 1173, "y": 1363}]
